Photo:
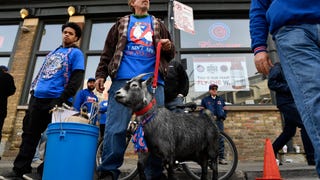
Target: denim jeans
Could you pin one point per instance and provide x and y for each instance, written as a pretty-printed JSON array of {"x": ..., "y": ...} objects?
[
  {"x": 172, "y": 105},
  {"x": 299, "y": 53},
  {"x": 114, "y": 141},
  {"x": 39, "y": 155},
  {"x": 220, "y": 125}
]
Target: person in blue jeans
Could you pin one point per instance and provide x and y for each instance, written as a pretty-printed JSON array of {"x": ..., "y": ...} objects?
[
  {"x": 285, "y": 103},
  {"x": 130, "y": 50},
  {"x": 216, "y": 105},
  {"x": 295, "y": 30}
]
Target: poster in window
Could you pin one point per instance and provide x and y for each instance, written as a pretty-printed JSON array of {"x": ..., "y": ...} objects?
[
  {"x": 183, "y": 17},
  {"x": 229, "y": 73}
]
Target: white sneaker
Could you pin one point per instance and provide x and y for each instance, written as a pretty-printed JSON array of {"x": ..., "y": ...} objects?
[{"x": 31, "y": 176}]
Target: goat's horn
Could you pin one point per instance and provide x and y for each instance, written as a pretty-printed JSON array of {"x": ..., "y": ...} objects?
[{"x": 141, "y": 76}]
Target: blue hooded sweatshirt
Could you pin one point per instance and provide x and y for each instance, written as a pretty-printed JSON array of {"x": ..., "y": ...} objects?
[{"x": 270, "y": 15}]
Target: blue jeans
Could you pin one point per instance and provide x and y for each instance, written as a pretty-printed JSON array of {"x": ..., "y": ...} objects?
[
  {"x": 43, "y": 139},
  {"x": 299, "y": 53},
  {"x": 172, "y": 105},
  {"x": 220, "y": 125},
  {"x": 114, "y": 141}
]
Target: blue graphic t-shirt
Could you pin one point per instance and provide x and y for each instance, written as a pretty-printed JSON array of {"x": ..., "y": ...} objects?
[
  {"x": 139, "y": 55},
  {"x": 56, "y": 71},
  {"x": 85, "y": 98}
]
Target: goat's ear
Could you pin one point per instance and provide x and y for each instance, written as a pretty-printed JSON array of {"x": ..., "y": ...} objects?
[{"x": 147, "y": 81}]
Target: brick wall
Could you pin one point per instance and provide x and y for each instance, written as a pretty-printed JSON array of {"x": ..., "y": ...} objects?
[{"x": 249, "y": 129}]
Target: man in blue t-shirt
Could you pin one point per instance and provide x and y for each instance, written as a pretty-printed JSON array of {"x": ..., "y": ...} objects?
[
  {"x": 85, "y": 98},
  {"x": 59, "y": 79}
]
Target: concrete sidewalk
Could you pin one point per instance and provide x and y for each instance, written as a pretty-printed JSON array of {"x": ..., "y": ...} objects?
[{"x": 245, "y": 170}]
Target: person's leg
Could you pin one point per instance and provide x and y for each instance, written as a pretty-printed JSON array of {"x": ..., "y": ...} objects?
[
  {"x": 289, "y": 130},
  {"x": 3, "y": 114},
  {"x": 36, "y": 156},
  {"x": 221, "y": 140},
  {"x": 299, "y": 52},
  {"x": 43, "y": 142},
  {"x": 35, "y": 122},
  {"x": 172, "y": 106},
  {"x": 307, "y": 144},
  {"x": 114, "y": 141},
  {"x": 102, "y": 129}
]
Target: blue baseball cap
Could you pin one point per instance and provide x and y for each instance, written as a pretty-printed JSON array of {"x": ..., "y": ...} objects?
[
  {"x": 213, "y": 86},
  {"x": 4, "y": 68},
  {"x": 91, "y": 79}
]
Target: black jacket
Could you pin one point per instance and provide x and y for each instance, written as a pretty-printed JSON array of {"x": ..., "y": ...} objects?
[
  {"x": 176, "y": 81},
  {"x": 7, "y": 88},
  {"x": 277, "y": 82}
]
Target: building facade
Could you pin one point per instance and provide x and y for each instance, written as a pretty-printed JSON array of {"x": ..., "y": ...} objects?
[{"x": 218, "y": 51}]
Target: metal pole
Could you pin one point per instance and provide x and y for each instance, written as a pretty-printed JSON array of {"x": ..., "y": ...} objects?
[{"x": 171, "y": 19}]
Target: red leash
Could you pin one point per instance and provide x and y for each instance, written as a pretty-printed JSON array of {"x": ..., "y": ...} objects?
[{"x": 156, "y": 68}]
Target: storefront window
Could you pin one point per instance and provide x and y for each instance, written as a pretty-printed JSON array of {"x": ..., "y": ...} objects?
[
  {"x": 39, "y": 62},
  {"x": 4, "y": 61},
  {"x": 92, "y": 66},
  {"x": 51, "y": 37},
  {"x": 98, "y": 35},
  {"x": 8, "y": 35},
  {"x": 37, "y": 67},
  {"x": 218, "y": 33},
  {"x": 91, "y": 71},
  {"x": 235, "y": 74}
]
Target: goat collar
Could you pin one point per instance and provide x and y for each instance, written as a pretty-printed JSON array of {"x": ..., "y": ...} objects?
[{"x": 146, "y": 108}]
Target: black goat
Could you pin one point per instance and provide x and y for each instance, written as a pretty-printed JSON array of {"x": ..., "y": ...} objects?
[{"x": 171, "y": 136}]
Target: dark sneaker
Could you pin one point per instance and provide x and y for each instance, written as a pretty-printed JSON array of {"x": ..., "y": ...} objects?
[
  {"x": 223, "y": 162},
  {"x": 106, "y": 176},
  {"x": 11, "y": 175},
  {"x": 32, "y": 176},
  {"x": 311, "y": 162}
]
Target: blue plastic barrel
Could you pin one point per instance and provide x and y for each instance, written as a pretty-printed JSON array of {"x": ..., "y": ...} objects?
[{"x": 70, "y": 151}]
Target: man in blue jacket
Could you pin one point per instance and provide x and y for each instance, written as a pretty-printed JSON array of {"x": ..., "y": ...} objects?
[
  {"x": 294, "y": 25},
  {"x": 216, "y": 104}
]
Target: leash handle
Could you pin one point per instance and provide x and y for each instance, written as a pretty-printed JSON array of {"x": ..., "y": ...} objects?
[{"x": 156, "y": 68}]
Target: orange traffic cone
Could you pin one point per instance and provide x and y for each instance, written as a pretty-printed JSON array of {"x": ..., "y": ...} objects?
[{"x": 270, "y": 167}]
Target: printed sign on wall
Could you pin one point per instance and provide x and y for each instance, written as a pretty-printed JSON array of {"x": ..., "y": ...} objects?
[{"x": 229, "y": 73}]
